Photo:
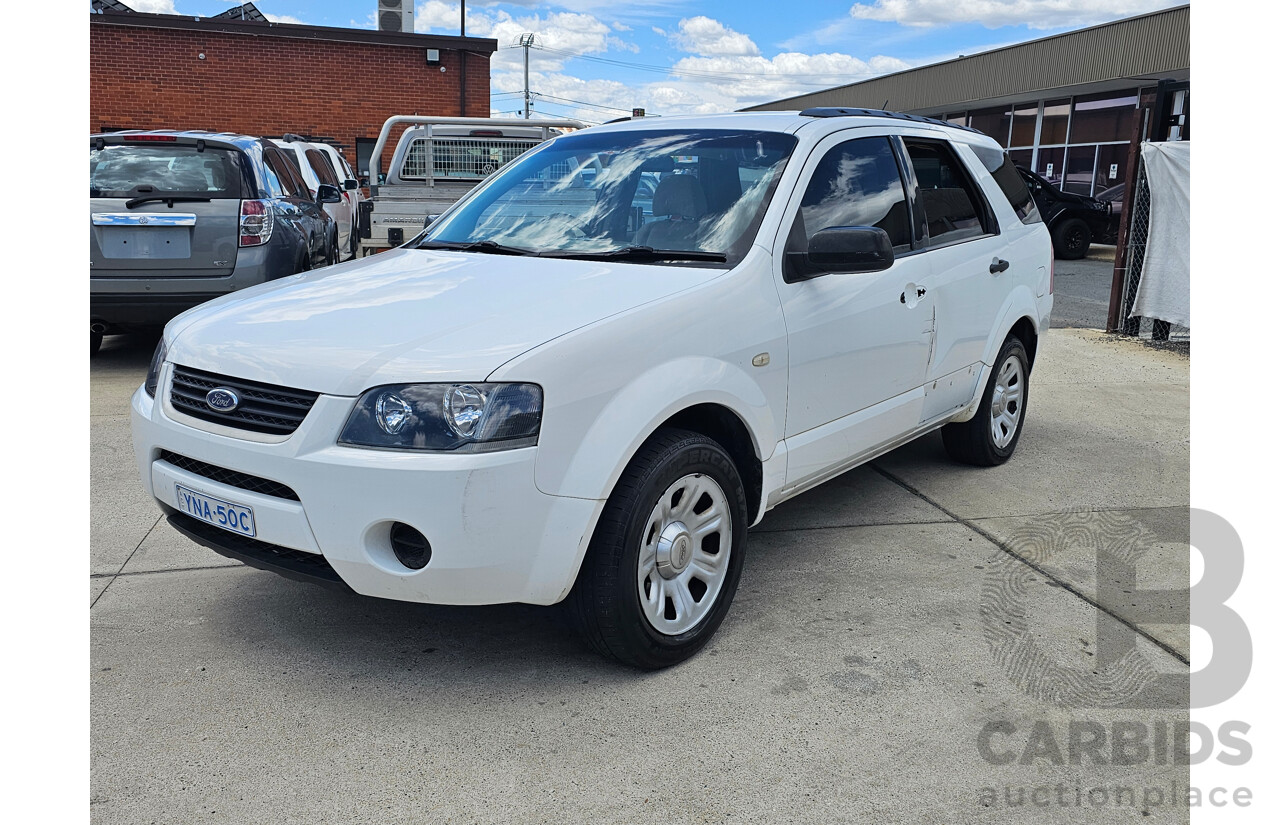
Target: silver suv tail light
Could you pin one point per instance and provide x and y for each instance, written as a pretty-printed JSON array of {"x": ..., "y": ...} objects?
[{"x": 256, "y": 222}]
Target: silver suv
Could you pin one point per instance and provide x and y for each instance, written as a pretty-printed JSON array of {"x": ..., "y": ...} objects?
[{"x": 179, "y": 218}]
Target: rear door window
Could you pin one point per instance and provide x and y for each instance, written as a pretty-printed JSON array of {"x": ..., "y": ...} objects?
[
  {"x": 289, "y": 177},
  {"x": 1010, "y": 181},
  {"x": 122, "y": 171},
  {"x": 322, "y": 167},
  {"x": 953, "y": 207}
]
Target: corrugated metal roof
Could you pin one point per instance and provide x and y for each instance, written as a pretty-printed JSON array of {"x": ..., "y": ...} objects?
[{"x": 1148, "y": 46}]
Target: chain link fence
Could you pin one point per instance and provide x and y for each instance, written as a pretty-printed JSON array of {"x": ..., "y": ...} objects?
[{"x": 1135, "y": 256}]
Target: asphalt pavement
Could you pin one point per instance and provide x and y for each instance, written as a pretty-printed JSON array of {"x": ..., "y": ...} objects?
[{"x": 915, "y": 641}]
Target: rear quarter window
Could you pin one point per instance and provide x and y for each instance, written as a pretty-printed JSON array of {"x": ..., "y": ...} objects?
[{"x": 1010, "y": 181}]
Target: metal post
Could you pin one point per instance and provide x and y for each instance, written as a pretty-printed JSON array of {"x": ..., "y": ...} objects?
[
  {"x": 1121, "y": 263},
  {"x": 526, "y": 40}
]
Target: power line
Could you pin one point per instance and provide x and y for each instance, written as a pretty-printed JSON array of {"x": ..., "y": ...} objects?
[{"x": 584, "y": 103}]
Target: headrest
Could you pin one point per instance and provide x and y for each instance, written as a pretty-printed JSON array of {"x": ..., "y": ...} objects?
[{"x": 681, "y": 196}]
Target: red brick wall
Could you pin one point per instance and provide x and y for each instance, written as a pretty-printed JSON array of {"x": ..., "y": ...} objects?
[{"x": 148, "y": 78}]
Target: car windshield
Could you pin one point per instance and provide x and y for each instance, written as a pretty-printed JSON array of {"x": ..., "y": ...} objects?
[
  {"x": 117, "y": 171},
  {"x": 627, "y": 195}
]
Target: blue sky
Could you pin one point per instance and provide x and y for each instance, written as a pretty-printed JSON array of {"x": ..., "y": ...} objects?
[{"x": 714, "y": 55}]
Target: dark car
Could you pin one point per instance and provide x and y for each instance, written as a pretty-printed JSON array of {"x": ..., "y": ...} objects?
[
  {"x": 1074, "y": 221},
  {"x": 1113, "y": 197},
  {"x": 179, "y": 218}
]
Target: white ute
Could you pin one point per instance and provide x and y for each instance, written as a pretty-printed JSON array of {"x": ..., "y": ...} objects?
[{"x": 590, "y": 376}]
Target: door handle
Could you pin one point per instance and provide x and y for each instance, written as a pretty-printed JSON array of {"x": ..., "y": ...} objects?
[{"x": 998, "y": 265}]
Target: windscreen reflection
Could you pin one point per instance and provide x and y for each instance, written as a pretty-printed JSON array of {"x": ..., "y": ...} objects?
[{"x": 693, "y": 190}]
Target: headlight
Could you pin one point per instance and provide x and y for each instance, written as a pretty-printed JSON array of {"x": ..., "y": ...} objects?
[
  {"x": 469, "y": 418},
  {"x": 153, "y": 372}
]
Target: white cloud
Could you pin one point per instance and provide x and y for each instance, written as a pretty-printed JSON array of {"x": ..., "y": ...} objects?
[
  {"x": 1037, "y": 14},
  {"x": 152, "y": 6},
  {"x": 724, "y": 83},
  {"x": 702, "y": 35},
  {"x": 560, "y": 31}
]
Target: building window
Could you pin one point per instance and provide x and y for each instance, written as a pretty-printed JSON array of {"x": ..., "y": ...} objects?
[
  {"x": 1113, "y": 162},
  {"x": 1105, "y": 117},
  {"x": 1049, "y": 164},
  {"x": 992, "y": 122},
  {"x": 1053, "y": 129},
  {"x": 1079, "y": 172},
  {"x": 1024, "y": 125}
]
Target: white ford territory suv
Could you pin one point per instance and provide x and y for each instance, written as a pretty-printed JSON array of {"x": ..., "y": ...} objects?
[{"x": 589, "y": 377}]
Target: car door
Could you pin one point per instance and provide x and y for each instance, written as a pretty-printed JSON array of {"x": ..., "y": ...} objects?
[
  {"x": 303, "y": 213},
  {"x": 965, "y": 254},
  {"x": 341, "y": 212},
  {"x": 859, "y": 342}
]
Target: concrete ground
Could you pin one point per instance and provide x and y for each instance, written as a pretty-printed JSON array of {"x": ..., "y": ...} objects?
[
  {"x": 882, "y": 621},
  {"x": 1082, "y": 291}
]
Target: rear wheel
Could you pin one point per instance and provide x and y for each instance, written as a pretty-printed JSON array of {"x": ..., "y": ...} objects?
[
  {"x": 1071, "y": 239},
  {"x": 990, "y": 437},
  {"x": 95, "y": 342},
  {"x": 664, "y": 562},
  {"x": 331, "y": 254}
]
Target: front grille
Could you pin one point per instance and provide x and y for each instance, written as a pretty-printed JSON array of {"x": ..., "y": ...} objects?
[
  {"x": 233, "y": 478},
  {"x": 295, "y": 564},
  {"x": 264, "y": 408}
]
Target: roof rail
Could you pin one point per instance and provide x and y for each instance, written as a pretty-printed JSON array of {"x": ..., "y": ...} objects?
[{"x": 844, "y": 111}]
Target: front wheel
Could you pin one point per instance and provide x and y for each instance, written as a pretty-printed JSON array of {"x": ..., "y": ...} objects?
[
  {"x": 664, "y": 562},
  {"x": 1071, "y": 239},
  {"x": 991, "y": 436}
]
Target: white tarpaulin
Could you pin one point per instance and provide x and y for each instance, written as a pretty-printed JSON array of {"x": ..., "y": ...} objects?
[{"x": 1164, "y": 291}]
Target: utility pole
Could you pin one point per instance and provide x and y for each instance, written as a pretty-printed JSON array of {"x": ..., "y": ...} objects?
[{"x": 526, "y": 40}]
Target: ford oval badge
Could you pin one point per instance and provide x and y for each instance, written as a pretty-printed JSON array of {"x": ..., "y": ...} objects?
[{"x": 221, "y": 399}]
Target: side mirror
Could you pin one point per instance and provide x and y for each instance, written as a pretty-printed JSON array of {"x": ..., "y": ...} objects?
[
  {"x": 841, "y": 249},
  {"x": 429, "y": 220},
  {"x": 328, "y": 193},
  {"x": 351, "y": 183}
]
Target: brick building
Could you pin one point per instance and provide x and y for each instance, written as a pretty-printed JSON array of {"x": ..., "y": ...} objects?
[{"x": 155, "y": 71}]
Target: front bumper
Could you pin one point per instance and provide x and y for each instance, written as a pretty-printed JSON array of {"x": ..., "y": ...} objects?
[{"x": 495, "y": 537}]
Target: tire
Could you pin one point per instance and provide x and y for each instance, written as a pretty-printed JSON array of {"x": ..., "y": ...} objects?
[
  {"x": 355, "y": 241},
  {"x": 976, "y": 441},
  {"x": 95, "y": 342},
  {"x": 636, "y": 596},
  {"x": 1071, "y": 239},
  {"x": 332, "y": 254}
]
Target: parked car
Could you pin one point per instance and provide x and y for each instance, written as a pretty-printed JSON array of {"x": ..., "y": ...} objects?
[
  {"x": 1114, "y": 199},
  {"x": 350, "y": 186},
  {"x": 180, "y": 217},
  {"x": 527, "y": 405},
  {"x": 317, "y": 169},
  {"x": 1075, "y": 221}
]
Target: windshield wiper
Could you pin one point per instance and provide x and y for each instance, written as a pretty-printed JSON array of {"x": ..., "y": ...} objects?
[
  {"x": 489, "y": 247},
  {"x": 641, "y": 253},
  {"x": 169, "y": 199}
]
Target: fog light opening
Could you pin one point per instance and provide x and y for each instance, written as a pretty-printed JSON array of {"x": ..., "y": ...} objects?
[{"x": 411, "y": 547}]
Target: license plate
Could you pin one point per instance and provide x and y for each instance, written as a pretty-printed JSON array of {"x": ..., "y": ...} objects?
[
  {"x": 215, "y": 511},
  {"x": 147, "y": 242}
]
